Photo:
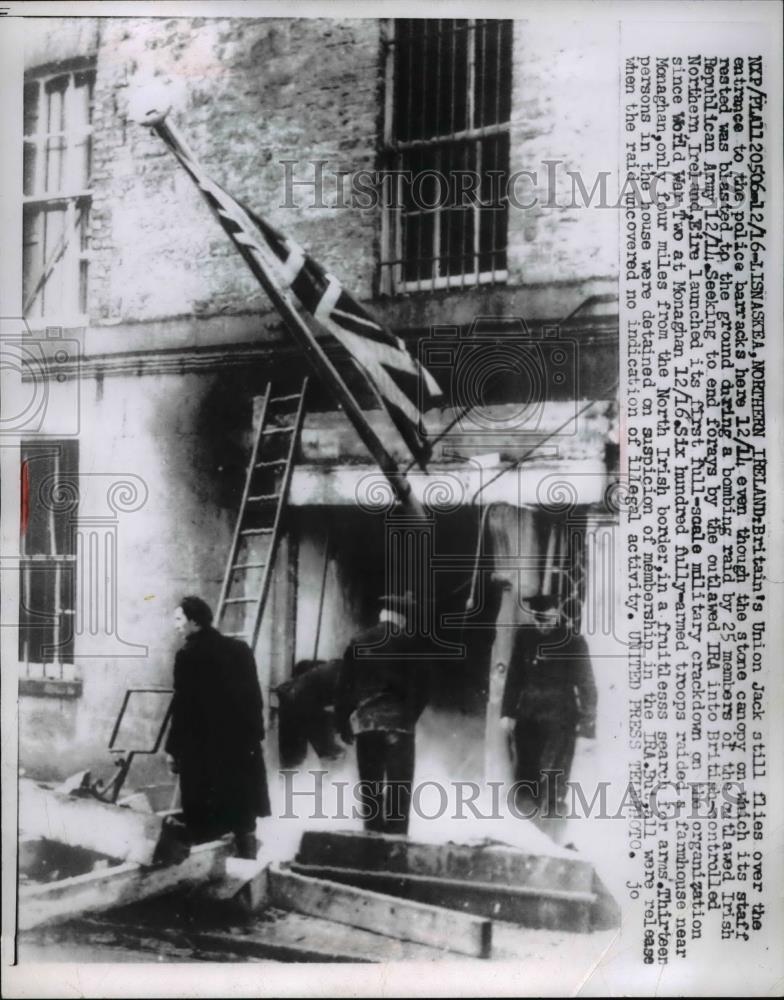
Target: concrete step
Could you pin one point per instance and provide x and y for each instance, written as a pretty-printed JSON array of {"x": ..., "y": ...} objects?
[
  {"x": 530, "y": 906},
  {"x": 493, "y": 863}
]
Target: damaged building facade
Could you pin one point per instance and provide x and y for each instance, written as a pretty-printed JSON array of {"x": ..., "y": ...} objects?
[{"x": 341, "y": 134}]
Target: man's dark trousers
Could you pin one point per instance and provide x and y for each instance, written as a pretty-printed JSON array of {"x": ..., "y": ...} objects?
[
  {"x": 544, "y": 750},
  {"x": 385, "y": 760}
]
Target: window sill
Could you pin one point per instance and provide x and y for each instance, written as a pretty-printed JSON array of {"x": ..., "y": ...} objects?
[
  {"x": 41, "y": 324},
  {"x": 50, "y": 687},
  {"x": 453, "y": 283}
]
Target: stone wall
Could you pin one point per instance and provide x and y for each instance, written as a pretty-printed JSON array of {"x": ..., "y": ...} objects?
[{"x": 251, "y": 93}]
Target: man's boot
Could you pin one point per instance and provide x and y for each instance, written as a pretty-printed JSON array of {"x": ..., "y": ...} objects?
[{"x": 246, "y": 845}]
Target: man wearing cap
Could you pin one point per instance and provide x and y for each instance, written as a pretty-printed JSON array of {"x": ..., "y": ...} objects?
[
  {"x": 549, "y": 699},
  {"x": 382, "y": 690}
]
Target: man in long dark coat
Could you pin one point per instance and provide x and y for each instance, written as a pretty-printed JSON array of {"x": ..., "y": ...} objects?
[
  {"x": 217, "y": 726},
  {"x": 549, "y": 699},
  {"x": 382, "y": 689}
]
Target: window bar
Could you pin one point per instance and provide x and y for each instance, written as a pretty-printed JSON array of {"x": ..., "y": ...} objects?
[
  {"x": 389, "y": 78},
  {"x": 69, "y": 171},
  {"x": 477, "y": 214},
  {"x": 439, "y": 36},
  {"x": 40, "y": 143},
  {"x": 84, "y": 258},
  {"x": 45, "y": 255},
  {"x": 26, "y": 588},
  {"x": 453, "y": 67},
  {"x": 410, "y": 78},
  {"x": 492, "y": 210},
  {"x": 53, "y": 549},
  {"x": 498, "y": 42},
  {"x": 399, "y": 272},
  {"x": 483, "y": 28},
  {"x": 57, "y": 659},
  {"x": 461, "y": 249},
  {"x": 387, "y": 277},
  {"x": 470, "y": 54},
  {"x": 79, "y": 589},
  {"x": 70, "y": 261},
  {"x": 418, "y": 257},
  {"x": 423, "y": 99},
  {"x": 92, "y": 583},
  {"x": 436, "y": 264},
  {"x": 446, "y": 258},
  {"x": 471, "y": 122}
]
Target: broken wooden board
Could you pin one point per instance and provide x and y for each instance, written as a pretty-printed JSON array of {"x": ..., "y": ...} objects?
[
  {"x": 374, "y": 911},
  {"x": 110, "y": 887},
  {"x": 277, "y": 936},
  {"x": 245, "y": 882},
  {"x": 551, "y": 909},
  {"x": 481, "y": 862},
  {"x": 124, "y": 834}
]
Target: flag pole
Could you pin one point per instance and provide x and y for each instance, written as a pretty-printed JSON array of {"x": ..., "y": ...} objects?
[
  {"x": 442, "y": 434},
  {"x": 295, "y": 324}
]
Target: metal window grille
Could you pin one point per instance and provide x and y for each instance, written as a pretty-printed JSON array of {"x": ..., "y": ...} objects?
[
  {"x": 47, "y": 592},
  {"x": 446, "y": 153},
  {"x": 58, "y": 144}
]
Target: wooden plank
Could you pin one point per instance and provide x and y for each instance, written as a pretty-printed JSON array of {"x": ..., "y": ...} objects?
[
  {"x": 124, "y": 834},
  {"x": 606, "y": 913},
  {"x": 281, "y": 936},
  {"x": 552, "y": 909},
  {"x": 374, "y": 911},
  {"x": 118, "y": 886},
  {"x": 245, "y": 882},
  {"x": 480, "y": 862}
]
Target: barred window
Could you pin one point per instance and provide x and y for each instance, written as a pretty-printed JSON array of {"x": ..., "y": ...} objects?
[
  {"x": 49, "y": 498},
  {"x": 446, "y": 148},
  {"x": 58, "y": 127}
]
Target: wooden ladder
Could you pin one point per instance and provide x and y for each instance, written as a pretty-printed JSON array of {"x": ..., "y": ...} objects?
[{"x": 260, "y": 521}]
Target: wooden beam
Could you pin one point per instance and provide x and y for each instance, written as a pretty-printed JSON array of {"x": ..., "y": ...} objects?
[
  {"x": 549, "y": 909},
  {"x": 480, "y": 862},
  {"x": 373, "y": 911},
  {"x": 289, "y": 937},
  {"x": 125, "y": 834},
  {"x": 245, "y": 883},
  {"x": 126, "y": 883}
]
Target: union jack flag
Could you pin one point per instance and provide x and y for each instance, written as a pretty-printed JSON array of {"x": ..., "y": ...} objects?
[{"x": 400, "y": 381}]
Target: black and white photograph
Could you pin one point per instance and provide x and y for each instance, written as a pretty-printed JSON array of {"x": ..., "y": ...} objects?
[{"x": 391, "y": 499}]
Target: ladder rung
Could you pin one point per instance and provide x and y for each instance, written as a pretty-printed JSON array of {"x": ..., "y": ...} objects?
[
  {"x": 249, "y": 565},
  {"x": 266, "y": 465},
  {"x": 256, "y": 531},
  {"x": 240, "y": 600},
  {"x": 277, "y": 430},
  {"x": 261, "y": 497},
  {"x": 285, "y": 399}
]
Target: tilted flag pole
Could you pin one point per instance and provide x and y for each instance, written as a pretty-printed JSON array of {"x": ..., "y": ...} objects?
[{"x": 240, "y": 228}]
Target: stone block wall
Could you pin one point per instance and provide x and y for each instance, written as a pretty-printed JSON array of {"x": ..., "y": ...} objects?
[{"x": 251, "y": 93}]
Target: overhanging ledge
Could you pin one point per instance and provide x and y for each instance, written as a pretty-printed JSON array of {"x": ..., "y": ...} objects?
[{"x": 556, "y": 485}]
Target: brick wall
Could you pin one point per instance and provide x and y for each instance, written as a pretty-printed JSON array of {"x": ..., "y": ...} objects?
[
  {"x": 251, "y": 93},
  {"x": 564, "y": 109},
  {"x": 248, "y": 94}
]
